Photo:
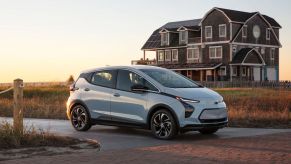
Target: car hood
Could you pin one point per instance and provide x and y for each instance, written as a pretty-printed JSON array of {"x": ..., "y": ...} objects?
[{"x": 194, "y": 93}]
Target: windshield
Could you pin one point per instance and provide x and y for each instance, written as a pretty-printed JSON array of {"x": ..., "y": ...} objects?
[{"x": 169, "y": 78}]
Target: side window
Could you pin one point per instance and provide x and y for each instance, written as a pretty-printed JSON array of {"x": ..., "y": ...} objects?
[
  {"x": 127, "y": 79},
  {"x": 104, "y": 78}
]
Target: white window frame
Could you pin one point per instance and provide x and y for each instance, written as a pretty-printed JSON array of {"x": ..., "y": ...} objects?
[
  {"x": 165, "y": 42},
  {"x": 268, "y": 33},
  {"x": 194, "y": 58},
  {"x": 163, "y": 55},
  {"x": 234, "y": 48},
  {"x": 168, "y": 51},
  {"x": 173, "y": 55},
  {"x": 234, "y": 73},
  {"x": 206, "y": 32},
  {"x": 219, "y": 29},
  {"x": 220, "y": 71},
  {"x": 185, "y": 40},
  {"x": 242, "y": 71},
  {"x": 215, "y": 52},
  {"x": 245, "y": 30}
]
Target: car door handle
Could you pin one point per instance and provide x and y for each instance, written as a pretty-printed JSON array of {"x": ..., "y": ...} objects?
[
  {"x": 116, "y": 95},
  {"x": 86, "y": 89}
]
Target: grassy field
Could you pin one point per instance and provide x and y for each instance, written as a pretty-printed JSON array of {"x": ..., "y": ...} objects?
[{"x": 247, "y": 107}]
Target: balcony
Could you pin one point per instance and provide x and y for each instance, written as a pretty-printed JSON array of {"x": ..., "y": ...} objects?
[
  {"x": 195, "y": 40},
  {"x": 144, "y": 62}
]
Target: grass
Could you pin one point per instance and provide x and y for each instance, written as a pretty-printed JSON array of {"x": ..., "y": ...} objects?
[
  {"x": 31, "y": 137},
  {"x": 246, "y": 107}
]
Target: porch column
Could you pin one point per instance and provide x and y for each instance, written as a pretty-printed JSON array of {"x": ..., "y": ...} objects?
[
  {"x": 201, "y": 72},
  {"x": 230, "y": 67},
  {"x": 214, "y": 75},
  {"x": 144, "y": 54}
]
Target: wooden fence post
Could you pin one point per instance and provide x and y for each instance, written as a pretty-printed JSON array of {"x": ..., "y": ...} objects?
[{"x": 18, "y": 106}]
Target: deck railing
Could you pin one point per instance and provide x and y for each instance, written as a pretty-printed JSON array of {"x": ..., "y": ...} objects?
[{"x": 247, "y": 84}]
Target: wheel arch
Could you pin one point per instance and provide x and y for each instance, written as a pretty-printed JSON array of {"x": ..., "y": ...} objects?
[
  {"x": 157, "y": 107},
  {"x": 75, "y": 103}
]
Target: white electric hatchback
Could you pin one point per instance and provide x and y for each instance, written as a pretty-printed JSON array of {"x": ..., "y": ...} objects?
[{"x": 144, "y": 97}]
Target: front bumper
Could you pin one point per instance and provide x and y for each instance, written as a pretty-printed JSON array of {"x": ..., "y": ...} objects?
[{"x": 195, "y": 127}]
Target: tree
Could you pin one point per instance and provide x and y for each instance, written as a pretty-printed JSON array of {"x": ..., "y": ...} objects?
[{"x": 70, "y": 80}]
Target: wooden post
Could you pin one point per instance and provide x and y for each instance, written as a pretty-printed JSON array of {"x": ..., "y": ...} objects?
[
  {"x": 18, "y": 106},
  {"x": 144, "y": 54}
]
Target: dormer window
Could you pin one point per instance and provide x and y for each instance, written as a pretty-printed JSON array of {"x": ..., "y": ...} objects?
[
  {"x": 164, "y": 38},
  {"x": 183, "y": 35},
  {"x": 268, "y": 33}
]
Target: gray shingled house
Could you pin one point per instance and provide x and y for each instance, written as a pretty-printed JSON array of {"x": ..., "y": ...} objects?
[{"x": 224, "y": 45}]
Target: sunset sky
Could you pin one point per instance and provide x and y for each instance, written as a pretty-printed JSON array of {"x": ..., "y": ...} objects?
[{"x": 48, "y": 40}]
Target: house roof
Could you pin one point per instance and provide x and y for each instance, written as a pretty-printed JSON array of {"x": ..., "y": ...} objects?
[
  {"x": 242, "y": 55},
  {"x": 238, "y": 16},
  {"x": 185, "y": 23},
  {"x": 154, "y": 40},
  {"x": 241, "y": 16}
]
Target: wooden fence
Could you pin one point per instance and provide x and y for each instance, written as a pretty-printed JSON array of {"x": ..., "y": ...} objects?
[{"x": 247, "y": 84}]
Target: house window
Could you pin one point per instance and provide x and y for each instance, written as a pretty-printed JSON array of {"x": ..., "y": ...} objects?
[
  {"x": 222, "y": 30},
  {"x": 262, "y": 50},
  {"x": 175, "y": 55},
  {"x": 168, "y": 55},
  {"x": 222, "y": 71},
  {"x": 165, "y": 38},
  {"x": 160, "y": 55},
  {"x": 244, "y": 31},
  {"x": 208, "y": 32},
  {"x": 268, "y": 33},
  {"x": 215, "y": 52},
  {"x": 193, "y": 53},
  {"x": 244, "y": 71},
  {"x": 272, "y": 56},
  {"x": 183, "y": 37},
  {"x": 234, "y": 71},
  {"x": 234, "y": 48}
]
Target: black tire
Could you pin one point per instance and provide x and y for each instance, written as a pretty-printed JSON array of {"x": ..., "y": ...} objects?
[
  {"x": 163, "y": 125},
  {"x": 80, "y": 118},
  {"x": 208, "y": 130}
]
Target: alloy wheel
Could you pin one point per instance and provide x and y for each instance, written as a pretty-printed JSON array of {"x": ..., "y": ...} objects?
[
  {"x": 79, "y": 118},
  {"x": 162, "y": 125}
]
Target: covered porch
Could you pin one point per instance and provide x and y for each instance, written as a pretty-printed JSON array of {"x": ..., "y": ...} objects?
[{"x": 247, "y": 65}]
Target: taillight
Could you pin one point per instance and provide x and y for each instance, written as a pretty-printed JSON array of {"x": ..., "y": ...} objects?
[{"x": 73, "y": 88}]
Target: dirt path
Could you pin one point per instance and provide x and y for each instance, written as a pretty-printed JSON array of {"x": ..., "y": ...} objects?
[{"x": 275, "y": 148}]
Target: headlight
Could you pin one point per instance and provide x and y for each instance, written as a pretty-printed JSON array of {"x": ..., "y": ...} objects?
[
  {"x": 187, "y": 100},
  {"x": 189, "y": 109}
]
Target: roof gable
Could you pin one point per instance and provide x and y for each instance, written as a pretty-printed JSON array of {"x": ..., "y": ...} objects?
[{"x": 248, "y": 56}]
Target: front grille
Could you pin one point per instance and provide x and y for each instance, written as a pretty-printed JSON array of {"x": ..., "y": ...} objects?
[
  {"x": 213, "y": 115},
  {"x": 212, "y": 120}
]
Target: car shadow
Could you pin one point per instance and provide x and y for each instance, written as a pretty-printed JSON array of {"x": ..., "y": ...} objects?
[{"x": 132, "y": 132}]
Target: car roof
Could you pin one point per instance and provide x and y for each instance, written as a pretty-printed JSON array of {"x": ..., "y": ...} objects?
[{"x": 121, "y": 67}]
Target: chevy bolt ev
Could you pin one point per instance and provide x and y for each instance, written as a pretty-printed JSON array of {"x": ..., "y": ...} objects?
[{"x": 144, "y": 97}]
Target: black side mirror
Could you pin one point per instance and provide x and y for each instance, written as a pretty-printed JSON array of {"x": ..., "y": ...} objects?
[{"x": 139, "y": 88}]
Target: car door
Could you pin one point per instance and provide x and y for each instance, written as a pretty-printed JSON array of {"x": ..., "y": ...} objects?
[
  {"x": 127, "y": 106},
  {"x": 98, "y": 93}
]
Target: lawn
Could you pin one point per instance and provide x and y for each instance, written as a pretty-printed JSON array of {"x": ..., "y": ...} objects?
[{"x": 246, "y": 107}]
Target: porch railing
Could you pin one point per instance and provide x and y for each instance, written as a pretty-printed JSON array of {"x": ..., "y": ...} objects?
[{"x": 247, "y": 84}]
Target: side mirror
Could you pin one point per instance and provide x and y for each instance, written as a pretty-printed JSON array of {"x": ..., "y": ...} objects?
[{"x": 139, "y": 88}]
